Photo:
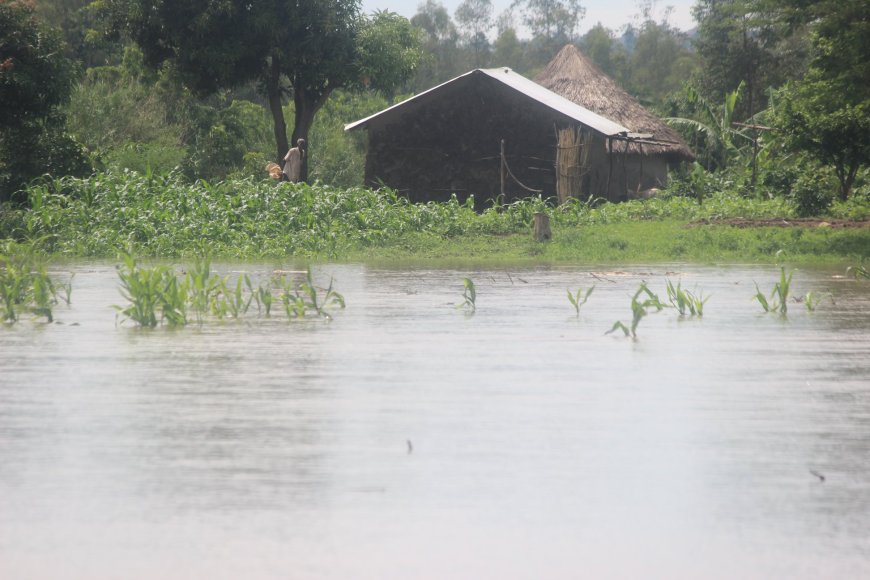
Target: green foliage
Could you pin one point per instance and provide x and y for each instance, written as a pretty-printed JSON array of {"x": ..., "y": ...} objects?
[
  {"x": 169, "y": 216},
  {"x": 827, "y": 113},
  {"x": 318, "y": 46},
  {"x": 642, "y": 302},
  {"x": 812, "y": 300},
  {"x": 686, "y": 302},
  {"x": 154, "y": 295},
  {"x": 469, "y": 295},
  {"x": 710, "y": 128},
  {"x": 812, "y": 193},
  {"x": 159, "y": 295},
  {"x": 25, "y": 285},
  {"x": 778, "y": 300},
  {"x": 818, "y": 118},
  {"x": 575, "y": 299},
  {"x": 35, "y": 80},
  {"x": 388, "y": 49}
]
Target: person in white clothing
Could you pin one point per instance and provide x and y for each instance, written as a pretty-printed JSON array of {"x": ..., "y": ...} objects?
[{"x": 293, "y": 161}]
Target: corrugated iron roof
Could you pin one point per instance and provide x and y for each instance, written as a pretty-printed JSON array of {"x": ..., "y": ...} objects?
[{"x": 528, "y": 88}]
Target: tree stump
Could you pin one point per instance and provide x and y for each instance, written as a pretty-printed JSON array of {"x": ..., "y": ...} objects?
[{"x": 542, "y": 227}]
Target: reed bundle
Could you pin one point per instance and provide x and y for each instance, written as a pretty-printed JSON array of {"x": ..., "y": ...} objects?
[{"x": 571, "y": 162}]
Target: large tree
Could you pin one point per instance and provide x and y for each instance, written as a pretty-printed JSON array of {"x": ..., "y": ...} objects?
[
  {"x": 744, "y": 41},
  {"x": 827, "y": 113},
  {"x": 35, "y": 80},
  {"x": 304, "y": 48}
]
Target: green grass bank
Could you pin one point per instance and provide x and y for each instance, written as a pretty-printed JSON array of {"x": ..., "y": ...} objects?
[{"x": 165, "y": 216}]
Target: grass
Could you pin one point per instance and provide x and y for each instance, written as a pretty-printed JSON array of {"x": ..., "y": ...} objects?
[{"x": 167, "y": 217}]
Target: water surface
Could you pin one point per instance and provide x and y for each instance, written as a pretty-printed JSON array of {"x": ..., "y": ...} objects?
[{"x": 408, "y": 439}]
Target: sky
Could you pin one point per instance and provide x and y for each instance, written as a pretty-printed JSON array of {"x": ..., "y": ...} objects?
[{"x": 611, "y": 13}]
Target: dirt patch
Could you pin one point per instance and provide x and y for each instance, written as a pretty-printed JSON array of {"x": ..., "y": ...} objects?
[{"x": 784, "y": 223}]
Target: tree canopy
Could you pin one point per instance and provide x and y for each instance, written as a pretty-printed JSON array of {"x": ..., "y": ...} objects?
[
  {"x": 303, "y": 48},
  {"x": 35, "y": 80}
]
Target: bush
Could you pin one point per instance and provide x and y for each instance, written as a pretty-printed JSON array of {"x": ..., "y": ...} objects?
[{"x": 812, "y": 193}]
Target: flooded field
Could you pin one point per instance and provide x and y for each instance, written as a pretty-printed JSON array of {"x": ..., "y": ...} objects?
[{"x": 407, "y": 438}]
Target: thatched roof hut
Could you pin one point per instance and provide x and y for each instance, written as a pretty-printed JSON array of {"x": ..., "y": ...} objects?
[
  {"x": 575, "y": 77},
  {"x": 495, "y": 134}
]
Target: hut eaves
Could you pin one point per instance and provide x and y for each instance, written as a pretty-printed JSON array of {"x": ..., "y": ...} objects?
[{"x": 520, "y": 84}]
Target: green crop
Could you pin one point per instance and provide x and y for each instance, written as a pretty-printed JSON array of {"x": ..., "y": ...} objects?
[
  {"x": 25, "y": 285},
  {"x": 778, "y": 300},
  {"x": 639, "y": 309},
  {"x": 687, "y": 303},
  {"x": 469, "y": 295},
  {"x": 575, "y": 299}
]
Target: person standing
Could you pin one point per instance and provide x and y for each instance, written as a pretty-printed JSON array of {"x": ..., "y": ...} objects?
[{"x": 293, "y": 161}]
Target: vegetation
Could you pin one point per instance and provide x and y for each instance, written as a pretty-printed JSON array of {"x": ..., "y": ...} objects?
[
  {"x": 778, "y": 300},
  {"x": 35, "y": 82},
  {"x": 26, "y": 286},
  {"x": 469, "y": 295},
  {"x": 159, "y": 295},
  {"x": 575, "y": 299},
  {"x": 307, "y": 48},
  {"x": 179, "y": 109},
  {"x": 642, "y": 302},
  {"x": 167, "y": 216},
  {"x": 686, "y": 302}
]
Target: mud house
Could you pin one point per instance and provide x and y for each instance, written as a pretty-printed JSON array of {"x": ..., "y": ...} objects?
[{"x": 494, "y": 134}]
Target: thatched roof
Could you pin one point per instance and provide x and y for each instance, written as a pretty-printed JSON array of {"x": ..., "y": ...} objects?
[{"x": 576, "y": 78}]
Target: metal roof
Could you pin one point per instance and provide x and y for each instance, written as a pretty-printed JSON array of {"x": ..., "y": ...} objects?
[{"x": 528, "y": 88}]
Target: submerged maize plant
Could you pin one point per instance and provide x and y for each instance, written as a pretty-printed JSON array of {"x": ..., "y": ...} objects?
[
  {"x": 778, "y": 300},
  {"x": 306, "y": 297},
  {"x": 25, "y": 285},
  {"x": 575, "y": 299},
  {"x": 159, "y": 295},
  {"x": 639, "y": 309},
  {"x": 687, "y": 303},
  {"x": 469, "y": 295}
]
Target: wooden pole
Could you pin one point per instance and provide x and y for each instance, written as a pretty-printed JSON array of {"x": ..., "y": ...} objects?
[
  {"x": 501, "y": 170},
  {"x": 542, "y": 230}
]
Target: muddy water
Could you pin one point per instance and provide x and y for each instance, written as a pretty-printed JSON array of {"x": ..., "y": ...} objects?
[{"x": 407, "y": 439}]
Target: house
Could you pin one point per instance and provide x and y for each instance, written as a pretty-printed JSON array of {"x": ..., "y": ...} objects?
[
  {"x": 641, "y": 163},
  {"x": 493, "y": 134}
]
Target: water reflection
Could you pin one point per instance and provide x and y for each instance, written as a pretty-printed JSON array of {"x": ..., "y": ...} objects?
[{"x": 540, "y": 446}]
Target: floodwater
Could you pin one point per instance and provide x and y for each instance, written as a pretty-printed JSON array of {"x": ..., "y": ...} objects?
[{"x": 409, "y": 439}]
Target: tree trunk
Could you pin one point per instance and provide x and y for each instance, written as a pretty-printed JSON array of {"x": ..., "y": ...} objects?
[
  {"x": 273, "y": 90},
  {"x": 307, "y": 104}
]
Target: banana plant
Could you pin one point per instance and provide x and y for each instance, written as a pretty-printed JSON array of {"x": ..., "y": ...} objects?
[{"x": 715, "y": 125}]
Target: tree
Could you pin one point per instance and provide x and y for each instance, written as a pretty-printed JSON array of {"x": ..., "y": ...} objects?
[
  {"x": 827, "y": 113},
  {"x": 744, "y": 41},
  {"x": 440, "y": 44},
  {"x": 475, "y": 19},
  {"x": 307, "y": 48},
  {"x": 660, "y": 61},
  {"x": 554, "y": 21},
  {"x": 35, "y": 80},
  {"x": 710, "y": 128}
]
